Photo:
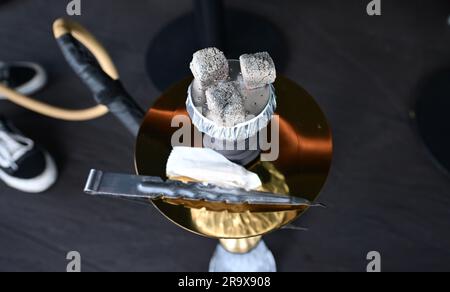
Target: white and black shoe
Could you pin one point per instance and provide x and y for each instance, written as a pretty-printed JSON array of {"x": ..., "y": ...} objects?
[
  {"x": 24, "y": 77},
  {"x": 23, "y": 165}
]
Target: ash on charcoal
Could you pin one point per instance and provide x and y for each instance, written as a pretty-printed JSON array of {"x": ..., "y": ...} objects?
[
  {"x": 209, "y": 66},
  {"x": 258, "y": 70},
  {"x": 225, "y": 104}
]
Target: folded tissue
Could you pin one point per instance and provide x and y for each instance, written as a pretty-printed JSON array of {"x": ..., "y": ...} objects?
[{"x": 206, "y": 165}]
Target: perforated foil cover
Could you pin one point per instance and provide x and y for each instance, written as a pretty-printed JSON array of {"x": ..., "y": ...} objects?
[{"x": 239, "y": 132}]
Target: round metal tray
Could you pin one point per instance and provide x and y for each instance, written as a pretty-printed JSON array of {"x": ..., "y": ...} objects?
[{"x": 300, "y": 170}]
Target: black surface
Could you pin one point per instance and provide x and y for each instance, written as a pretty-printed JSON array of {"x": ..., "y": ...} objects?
[
  {"x": 384, "y": 191},
  {"x": 433, "y": 119},
  {"x": 171, "y": 50}
]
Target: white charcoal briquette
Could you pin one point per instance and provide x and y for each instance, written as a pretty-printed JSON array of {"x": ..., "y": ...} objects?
[
  {"x": 258, "y": 70},
  {"x": 209, "y": 66},
  {"x": 225, "y": 104}
]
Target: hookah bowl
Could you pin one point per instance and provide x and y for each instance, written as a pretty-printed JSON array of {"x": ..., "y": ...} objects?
[{"x": 241, "y": 143}]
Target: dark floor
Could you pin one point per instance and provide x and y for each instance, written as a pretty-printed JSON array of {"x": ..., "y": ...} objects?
[{"x": 384, "y": 192}]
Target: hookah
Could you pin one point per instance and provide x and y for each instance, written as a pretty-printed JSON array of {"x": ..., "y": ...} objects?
[{"x": 237, "y": 217}]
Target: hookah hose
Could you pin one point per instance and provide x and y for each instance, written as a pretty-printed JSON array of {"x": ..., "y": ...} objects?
[{"x": 92, "y": 63}]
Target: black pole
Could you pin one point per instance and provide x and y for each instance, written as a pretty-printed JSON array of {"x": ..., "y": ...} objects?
[{"x": 210, "y": 23}]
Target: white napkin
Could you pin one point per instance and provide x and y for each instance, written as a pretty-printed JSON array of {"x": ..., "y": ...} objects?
[{"x": 206, "y": 165}]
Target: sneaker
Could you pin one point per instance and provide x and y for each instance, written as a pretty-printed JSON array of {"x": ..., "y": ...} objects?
[
  {"x": 24, "y": 77},
  {"x": 23, "y": 165}
]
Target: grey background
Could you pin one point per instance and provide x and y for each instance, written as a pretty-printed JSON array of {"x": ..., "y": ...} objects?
[{"x": 384, "y": 192}]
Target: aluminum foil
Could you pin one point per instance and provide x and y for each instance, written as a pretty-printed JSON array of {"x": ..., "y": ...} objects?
[{"x": 239, "y": 132}]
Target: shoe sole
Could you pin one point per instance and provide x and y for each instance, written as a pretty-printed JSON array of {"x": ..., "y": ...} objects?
[{"x": 34, "y": 185}]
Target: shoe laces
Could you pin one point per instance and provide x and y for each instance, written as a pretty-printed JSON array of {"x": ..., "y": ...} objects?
[{"x": 12, "y": 148}]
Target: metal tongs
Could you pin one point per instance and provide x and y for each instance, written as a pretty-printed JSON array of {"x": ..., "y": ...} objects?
[{"x": 190, "y": 194}]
